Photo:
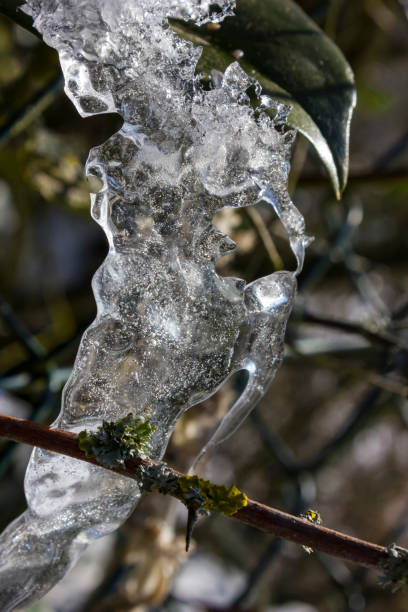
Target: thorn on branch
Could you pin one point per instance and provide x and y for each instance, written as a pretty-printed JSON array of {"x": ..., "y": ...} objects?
[{"x": 192, "y": 518}]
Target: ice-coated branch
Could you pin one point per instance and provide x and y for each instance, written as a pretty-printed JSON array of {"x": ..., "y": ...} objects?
[{"x": 257, "y": 515}]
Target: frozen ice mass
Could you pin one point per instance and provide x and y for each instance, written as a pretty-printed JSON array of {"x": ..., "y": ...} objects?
[{"x": 169, "y": 330}]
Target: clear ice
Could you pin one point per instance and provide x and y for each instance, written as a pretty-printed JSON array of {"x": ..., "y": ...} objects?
[{"x": 169, "y": 330}]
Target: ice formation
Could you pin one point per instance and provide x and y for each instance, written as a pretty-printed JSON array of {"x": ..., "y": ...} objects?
[{"x": 169, "y": 330}]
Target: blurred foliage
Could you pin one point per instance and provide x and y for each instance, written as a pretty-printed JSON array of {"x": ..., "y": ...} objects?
[{"x": 332, "y": 432}]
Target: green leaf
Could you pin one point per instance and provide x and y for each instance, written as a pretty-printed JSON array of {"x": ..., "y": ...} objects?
[{"x": 296, "y": 63}]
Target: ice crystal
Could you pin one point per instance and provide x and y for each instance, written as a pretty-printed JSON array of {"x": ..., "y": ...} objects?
[{"x": 169, "y": 330}]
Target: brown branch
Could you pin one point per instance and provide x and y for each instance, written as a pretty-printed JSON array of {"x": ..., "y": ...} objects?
[{"x": 267, "y": 519}]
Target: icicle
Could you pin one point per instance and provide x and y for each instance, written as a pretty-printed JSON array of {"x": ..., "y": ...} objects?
[{"x": 169, "y": 331}]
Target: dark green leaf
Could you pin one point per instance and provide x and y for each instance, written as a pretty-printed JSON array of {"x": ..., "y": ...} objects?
[{"x": 294, "y": 62}]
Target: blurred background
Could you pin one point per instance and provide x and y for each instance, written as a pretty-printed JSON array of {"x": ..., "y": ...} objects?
[{"x": 332, "y": 432}]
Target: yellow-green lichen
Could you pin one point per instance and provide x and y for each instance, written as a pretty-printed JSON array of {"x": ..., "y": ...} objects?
[
  {"x": 211, "y": 497},
  {"x": 313, "y": 516}
]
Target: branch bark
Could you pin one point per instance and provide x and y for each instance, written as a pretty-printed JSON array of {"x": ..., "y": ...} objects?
[{"x": 257, "y": 515}]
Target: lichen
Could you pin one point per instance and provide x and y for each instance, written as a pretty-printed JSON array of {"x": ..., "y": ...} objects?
[
  {"x": 395, "y": 568},
  {"x": 313, "y": 517},
  {"x": 205, "y": 495},
  {"x": 115, "y": 441},
  {"x": 157, "y": 477},
  {"x": 195, "y": 492}
]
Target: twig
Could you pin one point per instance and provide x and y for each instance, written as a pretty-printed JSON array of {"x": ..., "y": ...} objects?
[
  {"x": 266, "y": 238},
  {"x": 361, "y": 374},
  {"x": 255, "y": 514},
  {"x": 394, "y": 151},
  {"x": 344, "y": 434},
  {"x": 264, "y": 563},
  {"x": 379, "y": 337},
  {"x": 297, "y": 163},
  {"x": 33, "y": 346},
  {"x": 38, "y": 103}
]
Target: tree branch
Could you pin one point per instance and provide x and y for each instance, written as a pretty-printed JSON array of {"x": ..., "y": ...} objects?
[{"x": 258, "y": 515}]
